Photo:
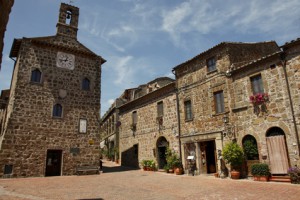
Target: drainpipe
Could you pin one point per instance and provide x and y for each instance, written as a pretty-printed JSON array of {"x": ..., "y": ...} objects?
[
  {"x": 283, "y": 61},
  {"x": 178, "y": 116}
]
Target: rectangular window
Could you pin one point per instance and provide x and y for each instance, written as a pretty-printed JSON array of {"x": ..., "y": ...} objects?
[
  {"x": 257, "y": 84},
  {"x": 188, "y": 110},
  {"x": 219, "y": 102},
  {"x": 160, "y": 109},
  {"x": 134, "y": 117},
  {"x": 211, "y": 64}
]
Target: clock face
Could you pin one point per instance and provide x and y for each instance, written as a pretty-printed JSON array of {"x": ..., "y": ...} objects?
[{"x": 65, "y": 60}]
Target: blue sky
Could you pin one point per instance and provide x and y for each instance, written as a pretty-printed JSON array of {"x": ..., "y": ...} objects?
[{"x": 144, "y": 39}]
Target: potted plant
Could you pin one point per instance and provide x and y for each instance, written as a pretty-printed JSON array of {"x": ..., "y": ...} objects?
[
  {"x": 233, "y": 154},
  {"x": 178, "y": 169},
  {"x": 166, "y": 168},
  {"x": 260, "y": 171},
  {"x": 294, "y": 173},
  {"x": 171, "y": 158},
  {"x": 116, "y": 152},
  {"x": 145, "y": 164}
]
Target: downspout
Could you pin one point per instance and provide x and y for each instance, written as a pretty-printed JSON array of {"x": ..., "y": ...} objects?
[
  {"x": 283, "y": 61},
  {"x": 178, "y": 116}
]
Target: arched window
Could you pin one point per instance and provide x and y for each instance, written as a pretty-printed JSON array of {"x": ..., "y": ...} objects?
[
  {"x": 86, "y": 84},
  {"x": 36, "y": 76},
  {"x": 57, "y": 110},
  {"x": 250, "y": 147}
]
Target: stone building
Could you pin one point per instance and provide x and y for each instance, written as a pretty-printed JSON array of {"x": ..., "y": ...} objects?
[
  {"x": 51, "y": 123},
  {"x": 149, "y": 123},
  {"x": 5, "y": 9},
  {"x": 214, "y": 90}
]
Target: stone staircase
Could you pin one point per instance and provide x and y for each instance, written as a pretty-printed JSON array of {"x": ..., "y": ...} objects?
[{"x": 283, "y": 179}]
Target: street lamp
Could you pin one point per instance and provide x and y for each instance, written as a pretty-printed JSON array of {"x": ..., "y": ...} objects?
[{"x": 228, "y": 128}]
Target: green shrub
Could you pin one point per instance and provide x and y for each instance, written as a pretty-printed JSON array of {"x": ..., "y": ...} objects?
[
  {"x": 294, "y": 173},
  {"x": 260, "y": 169},
  {"x": 250, "y": 150},
  {"x": 233, "y": 154},
  {"x": 172, "y": 159}
]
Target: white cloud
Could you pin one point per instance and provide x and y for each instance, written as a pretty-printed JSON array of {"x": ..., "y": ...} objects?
[
  {"x": 205, "y": 18},
  {"x": 123, "y": 70},
  {"x": 110, "y": 101}
]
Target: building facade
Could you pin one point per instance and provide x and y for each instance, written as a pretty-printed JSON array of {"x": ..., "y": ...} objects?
[
  {"x": 215, "y": 89},
  {"x": 51, "y": 122},
  {"x": 149, "y": 124}
]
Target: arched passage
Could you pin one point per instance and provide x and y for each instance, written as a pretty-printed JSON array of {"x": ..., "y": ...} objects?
[
  {"x": 277, "y": 150},
  {"x": 161, "y": 146}
]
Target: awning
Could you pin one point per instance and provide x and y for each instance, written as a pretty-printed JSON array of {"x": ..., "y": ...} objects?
[
  {"x": 102, "y": 144},
  {"x": 111, "y": 138}
]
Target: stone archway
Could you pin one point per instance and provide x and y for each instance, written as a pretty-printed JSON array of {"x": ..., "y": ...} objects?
[
  {"x": 277, "y": 150},
  {"x": 161, "y": 146}
]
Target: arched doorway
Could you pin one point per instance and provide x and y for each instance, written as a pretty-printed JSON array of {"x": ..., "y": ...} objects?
[
  {"x": 161, "y": 146},
  {"x": 277, "y": 150}
]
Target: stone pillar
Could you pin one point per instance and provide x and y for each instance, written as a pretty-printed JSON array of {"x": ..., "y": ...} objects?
[
  {"x": 198, "y": 158},
  {"x": 219, "y": 148}
]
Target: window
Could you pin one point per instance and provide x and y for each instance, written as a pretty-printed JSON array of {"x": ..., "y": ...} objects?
[
  {"x": 85, "y": 84},
  {"x": 57, "y": 110},
  {"x": 257, "y": 84},
  {"x": 160, "y": 109},
  {"x": 36, "y": 76},
  {"x": 134, "y": 117},
  {"x": 219, "y": 102},
  {"x": 188, "y": 110},
  {"x": 211, "y": 64}
]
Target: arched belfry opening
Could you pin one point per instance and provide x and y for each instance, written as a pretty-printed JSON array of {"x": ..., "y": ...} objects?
[
  {"x": 277, "y": 149},
  {"x": 161, "y": 145},
  {"x": 68, "y": 17}
]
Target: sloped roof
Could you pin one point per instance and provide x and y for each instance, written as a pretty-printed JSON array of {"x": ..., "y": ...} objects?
[
  {"x": 220, "y": 45},
  {"x": 292, "y": 42},
  {"x": 237, "y": 67},
  {"x": 56, "y": 41}
]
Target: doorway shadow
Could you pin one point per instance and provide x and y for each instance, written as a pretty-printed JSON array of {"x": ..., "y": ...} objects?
[{"x": 112, "y": 169}]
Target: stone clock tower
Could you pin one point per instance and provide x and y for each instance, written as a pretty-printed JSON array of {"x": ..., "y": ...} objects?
[{"x": 51, "y": 123}]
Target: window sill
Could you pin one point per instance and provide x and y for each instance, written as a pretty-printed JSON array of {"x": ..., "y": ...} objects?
[
  {"x": 240, "y": 108},
  {"x": 36, "y": 83},
  {"x": 59, "y": 118},
  {"x": 212, "y": 72},
  {"x": 221, "y": 113},
  {"x": 189, "y": 120}
]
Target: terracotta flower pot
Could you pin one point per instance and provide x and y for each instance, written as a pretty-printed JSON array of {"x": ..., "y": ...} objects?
[
  {"x": 235, "y": 174},
  {"x": 178, "y": 171}
]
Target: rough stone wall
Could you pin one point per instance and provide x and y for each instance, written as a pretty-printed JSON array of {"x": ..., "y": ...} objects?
[
  {"x": 199, "y": 87},
  {"x": 293, "y": 73},
  {"x": 277, "y": 114},
  {"x": 147, "y": 129},
  {"x": 31, "y": 129},
  {"x": 5, "y": 8}
]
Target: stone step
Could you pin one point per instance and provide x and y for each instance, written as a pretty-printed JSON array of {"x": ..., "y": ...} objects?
[{"x": 285, "y": 179}]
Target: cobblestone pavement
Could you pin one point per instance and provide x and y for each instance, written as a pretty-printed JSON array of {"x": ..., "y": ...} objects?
[{"x": 114, "y": 184}]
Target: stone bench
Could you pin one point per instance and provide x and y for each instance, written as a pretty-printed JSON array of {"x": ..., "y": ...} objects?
[{"x": 86, "y": 169}]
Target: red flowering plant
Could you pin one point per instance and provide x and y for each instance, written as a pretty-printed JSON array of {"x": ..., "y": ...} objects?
[{"x": 259, "y": 98}]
